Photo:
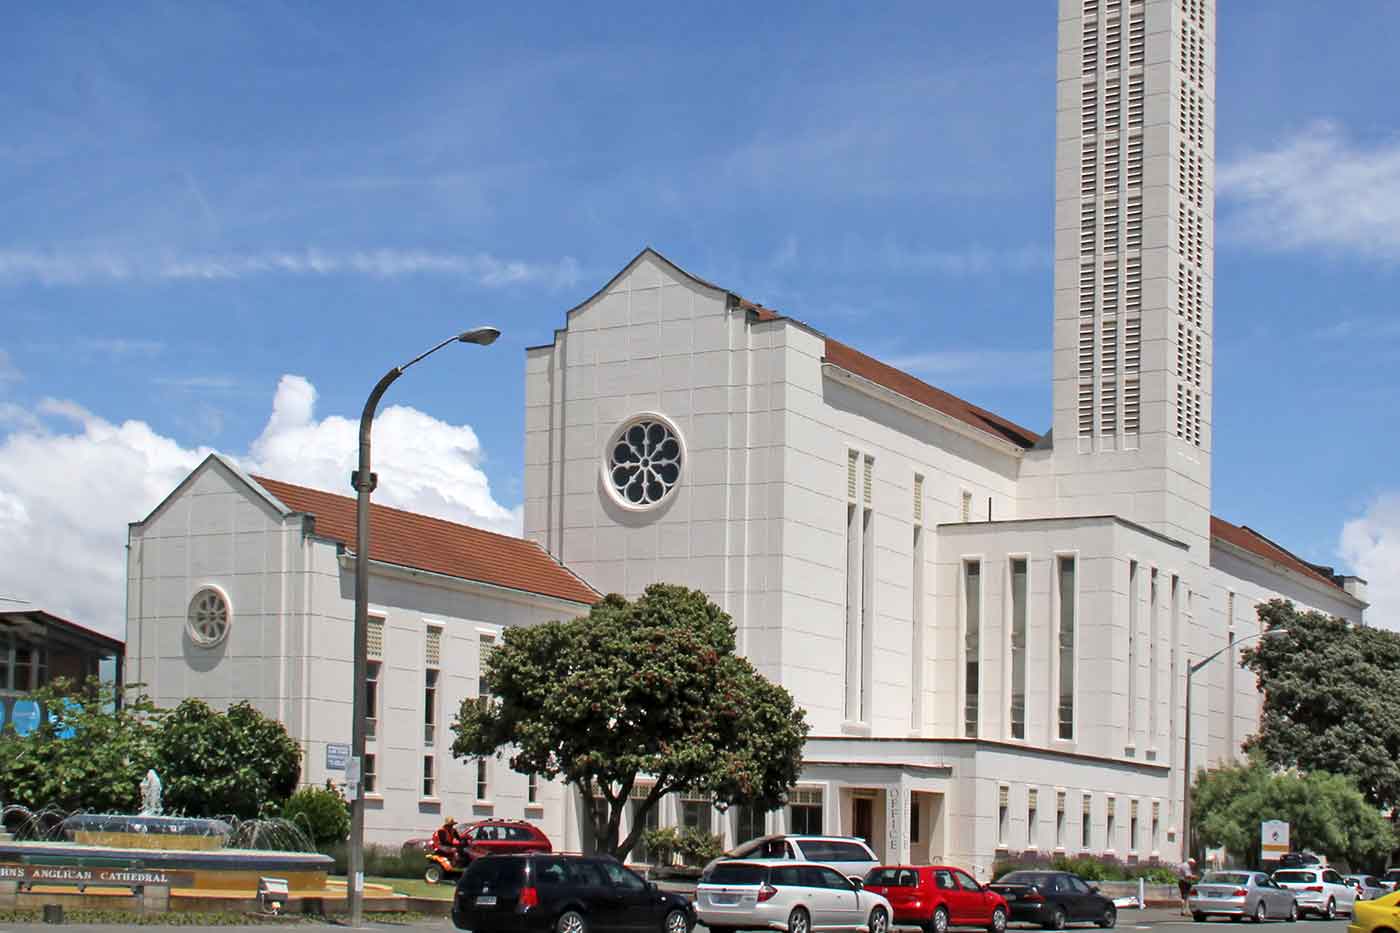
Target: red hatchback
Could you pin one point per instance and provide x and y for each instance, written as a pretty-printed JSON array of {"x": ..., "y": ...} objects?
[{"x": 936, "y": 897}]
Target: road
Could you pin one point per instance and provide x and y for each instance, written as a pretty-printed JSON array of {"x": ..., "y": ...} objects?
[{"x": 1158, "y": 921}]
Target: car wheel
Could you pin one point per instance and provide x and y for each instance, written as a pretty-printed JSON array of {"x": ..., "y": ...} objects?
[
  {"x": 1198, "y": 916},
  {"x": 1293, "y": 912},
  {"x": 879, "y": 922},
  {"x": 1261, "y": 913},
  {"x": 998, "y": 921},
  {"x": 1109, "y": 918},
  {"x": 799, "y": 922},
  {"x": 940, "y": 920},
  {"x": 1331, "y": 909},
  {"x": 571, "y": 921},
  {"x": 676, "y": 922},
  {"x": 1058, "y": 919},
  {"x": 433, "y": 875}
]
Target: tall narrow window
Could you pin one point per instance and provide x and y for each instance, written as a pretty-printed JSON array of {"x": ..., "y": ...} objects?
[
  {"x": 1018, "y": 647},
  {"x": 1156, "y": 675},
  {"x": 1067, "y": 620},
  {"x": 867, "y": 612},
  {"x": 1109, "y": 825},
  {"x": 369, "y": 776},
  {"x": 1059, "y": 819},
  {"x": 966, "y": 506},
  {"x": 483, "y": 780},
  {"x": 972, "y": 624},
  {"x": 853, "y": 603},
  {"x": 371, "y": 699},
  {"x": 429, "y": 782},
  {"x": 915, "y": 821},
  {"x": 1132, "y": 825},
  {"x": 1133, "y": 672},
  {"x": 805, "y": 811},
  {"x": 1003, "y": 816},
  {"x": 916, "y": 659},
  {"x": 430, "y": 685},
  {"x": 532, "y": 788},
  {"x": 486, "y": 643},
  {"x": 1086, "y": 823},
  {"x": 1032, "y": 797},
  {"x": 1152, "y": 629},
  {"x": 1156, "y": 826}
]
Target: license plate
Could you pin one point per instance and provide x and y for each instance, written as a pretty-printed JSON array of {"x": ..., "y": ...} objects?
[
  {"x": 488, "y": 900},
  {"x": 725, "y": 899}
]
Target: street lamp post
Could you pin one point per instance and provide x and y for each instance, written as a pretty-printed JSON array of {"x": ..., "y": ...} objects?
[
  {"x": 1191, "y": 669},
  {"x": 364, "y": 481}
]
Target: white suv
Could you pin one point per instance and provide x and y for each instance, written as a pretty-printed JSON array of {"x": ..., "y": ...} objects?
[
  {"x": 847, "y": 854},
  {"x": 795, "y": 896},
  {"x": 1321, "y": 891}
]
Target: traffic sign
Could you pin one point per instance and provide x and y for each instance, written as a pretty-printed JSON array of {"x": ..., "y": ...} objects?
[{"x": 1273, "y": 839}]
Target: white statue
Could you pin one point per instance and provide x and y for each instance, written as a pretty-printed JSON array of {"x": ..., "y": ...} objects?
[{"x": 150, "y": 794}]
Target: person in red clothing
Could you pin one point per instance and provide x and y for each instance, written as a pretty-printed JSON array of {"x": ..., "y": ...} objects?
[{"x": 447, "y": 842}]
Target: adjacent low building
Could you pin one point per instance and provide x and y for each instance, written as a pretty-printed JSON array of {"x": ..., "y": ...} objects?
[
  {"x": 242, "y": 588},
  {"x": 36, "y": 647}
]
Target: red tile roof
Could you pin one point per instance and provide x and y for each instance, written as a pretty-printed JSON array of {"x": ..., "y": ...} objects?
[
  {"x": 1250, "y": 540},
  {"x": 906, "y": 385},
  {"x": 436, "y": 545}
]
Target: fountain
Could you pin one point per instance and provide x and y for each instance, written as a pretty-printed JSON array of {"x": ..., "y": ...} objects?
[{"x": 183, "y": 862}]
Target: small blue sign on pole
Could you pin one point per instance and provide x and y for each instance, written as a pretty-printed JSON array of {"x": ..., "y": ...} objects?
[{"x": 337, "y": 755}]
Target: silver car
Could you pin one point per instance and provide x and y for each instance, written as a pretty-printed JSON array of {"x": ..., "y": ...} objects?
[
  {"x": 1368, "y": 887},
  {"x": 1240, "y": 894},
  {"x": 796, "y": 897},
  {"x": 1320, "y": 891}
]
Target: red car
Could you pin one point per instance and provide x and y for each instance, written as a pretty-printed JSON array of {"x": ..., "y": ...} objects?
[
  {"x": 492, "y": 837},
  {"x": 936, "y": 897}
]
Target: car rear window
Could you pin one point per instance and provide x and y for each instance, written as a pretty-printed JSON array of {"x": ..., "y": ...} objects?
[
  {"x": 1225, "y": 877},
  {"x": 1038, "y": 879},
  {"x": 732, "y": 873},
  {"x": 501, "y": 874},
  {"x": 892, "y": 878},
  {"x": 1295, "y": 877},
  {"x": 821, "y": 850},
  {"x": 518, "y": 834}
]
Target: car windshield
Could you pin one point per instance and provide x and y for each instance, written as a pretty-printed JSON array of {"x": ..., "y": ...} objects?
[
  {"x": 1036, "y": 879},
  {"x": 735, "y": 873},
  {"x": 1295, "y": 877},
  {"x": 892, "y": 878},
  {"x": 1225, "y": 877}
]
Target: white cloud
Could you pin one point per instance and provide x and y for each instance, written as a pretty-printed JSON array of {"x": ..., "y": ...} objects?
[
  {"x": 70, "y": 481},
  {"x": 1371, "y": 546},
  {"x": 62, "y": 267},
  {"x": 1318, "y": 189}
]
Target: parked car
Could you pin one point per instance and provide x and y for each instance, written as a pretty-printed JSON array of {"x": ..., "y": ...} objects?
[
  {"x": 1054, "y": 899},
  {"x": 1300, "y": 860},
  {"x": 1320, "y": 891},
  {"x": 1376, "y": 916},
  {"x": 548, "y": 893},
  {"x": 1368, "y": 887},
  {"x": 796, "y": 896},
  {"x": 847, "y": 854},
  {"x": 1391, "y": 878},
  {"x": 935, "y": 897},
  {"x": 1240, "y": 894}
]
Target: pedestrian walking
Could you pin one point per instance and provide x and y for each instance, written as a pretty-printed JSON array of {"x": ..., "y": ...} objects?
[{"x": 1186, "y": 877}]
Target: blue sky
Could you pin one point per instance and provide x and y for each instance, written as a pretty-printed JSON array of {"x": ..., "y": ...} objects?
[{"x": 201, "y": 199}]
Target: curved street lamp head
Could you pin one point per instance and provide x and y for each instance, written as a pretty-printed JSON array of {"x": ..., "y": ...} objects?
[{"x": 483, "y": 336}]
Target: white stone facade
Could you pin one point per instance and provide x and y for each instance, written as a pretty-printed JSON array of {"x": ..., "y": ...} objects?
[{"x": 290, "y": 596}]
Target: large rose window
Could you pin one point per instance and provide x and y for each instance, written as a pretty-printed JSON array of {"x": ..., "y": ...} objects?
[
  {"x": 644, "y": 462},
  {"x": 209, "y": 617}
]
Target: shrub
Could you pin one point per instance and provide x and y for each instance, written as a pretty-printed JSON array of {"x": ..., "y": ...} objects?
[
  {"x": 320, "y": 812},
  {"x": 698, "y": 847},
  {"x": 380, "y": 861},
  {"x": 1088, "y": 867},
  {"x": 661, "y": 844}
]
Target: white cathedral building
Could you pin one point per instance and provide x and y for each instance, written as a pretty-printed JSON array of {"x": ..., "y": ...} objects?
[{"x": 988, "y": 627}]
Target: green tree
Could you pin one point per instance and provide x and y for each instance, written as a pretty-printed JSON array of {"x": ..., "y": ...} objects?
[
  {"x": 1326, "y": 813},
  {"x": 648, "y": 688},
  {"x": 90, "y": 755},
  {"x": 321, "y": 813},
  {"x": 1331, "y": 698},
  {"x": 239, "y": 763}
]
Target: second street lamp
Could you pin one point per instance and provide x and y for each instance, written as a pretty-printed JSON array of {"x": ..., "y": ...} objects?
[
  {"x": 1187, "y": 836},
  {"x": 364, "y": 481}
]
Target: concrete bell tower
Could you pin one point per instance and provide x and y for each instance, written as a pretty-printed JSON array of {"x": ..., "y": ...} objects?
[{"x": 1134, "y": 262}]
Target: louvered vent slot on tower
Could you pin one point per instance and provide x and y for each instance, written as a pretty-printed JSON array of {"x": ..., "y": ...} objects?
[
  {"x": 1110, "y": 226},
  {"x": 1113, "y": 42},
  {"x": 1090, "y": 43},
  {"x": 1110, "y": 286},
  {"x": 1136, "y": 98},
  {"x": 1108, "y": 408},
  {"x": 1108, "y": 349},
  {"x": 1112, "y": 101},
  {"x": 1132, "y": 407},
  {"x": 1089, "y": 108},
  {"x": 1132, "y": 285},
  {"x": 1086, "y": 409},
  {"x": 1086, "y": 289},
  {"x": 1088, "y": 169},
  {"x": 1132, "y": 344},
  {"x": 1086, "y": 227},
  {"x": 1086, "y": 350},
  {"x": 1110, "y": 167},
  {"x": 1137, "y": 38},
  {"x": 1135, "y": 161},
  {"x": 852, "y": 468},
  {"x": 1134, "y": 221}
]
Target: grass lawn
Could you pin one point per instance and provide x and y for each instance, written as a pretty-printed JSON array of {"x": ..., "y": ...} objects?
[{"x": 416, "y": 887}]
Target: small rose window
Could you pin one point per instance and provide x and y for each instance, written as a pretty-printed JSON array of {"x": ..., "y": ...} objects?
[
  {"x": 644, "y": 462},
  {"x": 209, "y": 617}
]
